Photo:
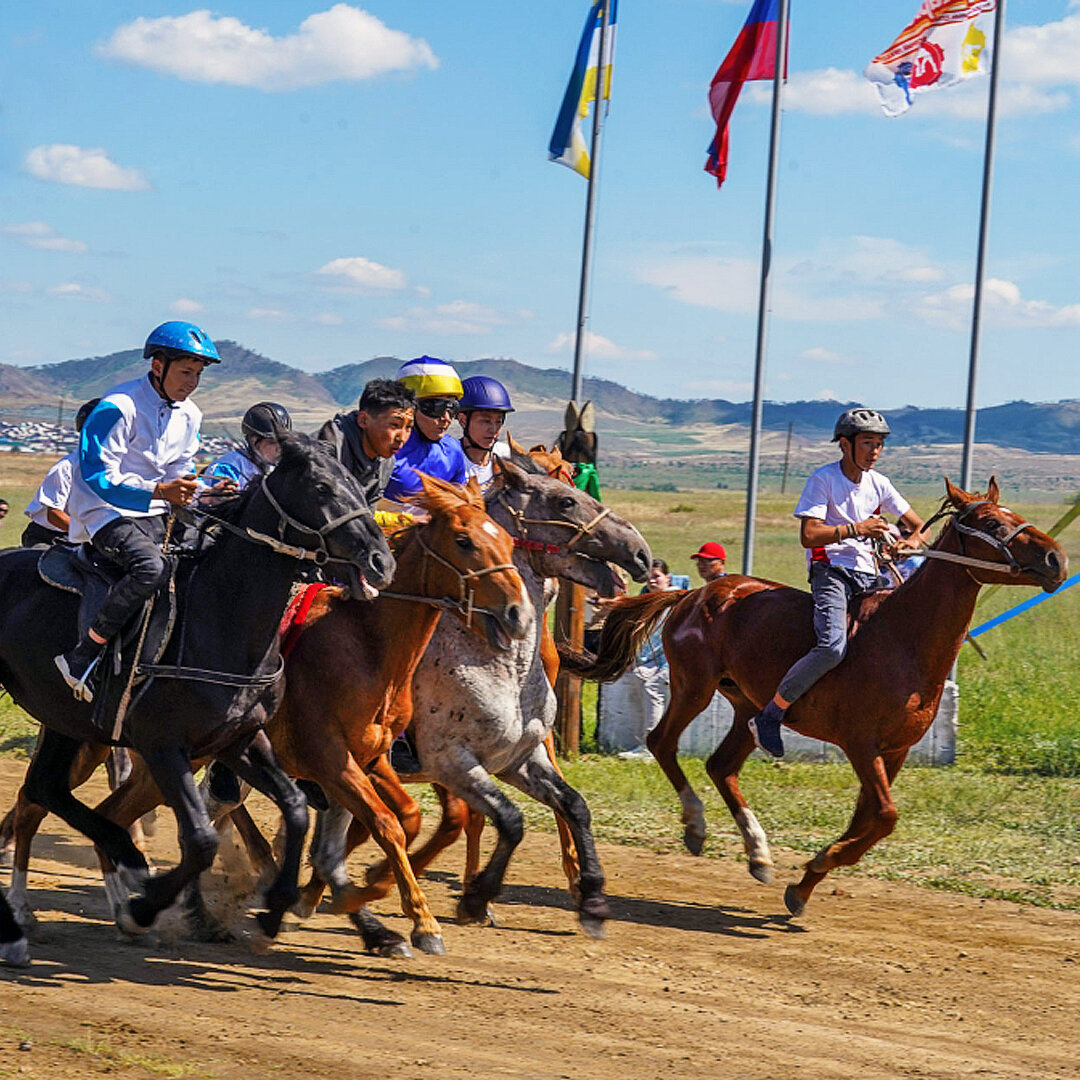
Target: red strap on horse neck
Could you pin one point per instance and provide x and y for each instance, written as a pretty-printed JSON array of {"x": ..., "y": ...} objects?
[
  {"x": 292, "y": 622},
  {"x": 536, "y": 545}
]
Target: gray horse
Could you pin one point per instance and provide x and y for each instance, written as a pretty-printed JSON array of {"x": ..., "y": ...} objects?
[{"x": 479, "y": 713}]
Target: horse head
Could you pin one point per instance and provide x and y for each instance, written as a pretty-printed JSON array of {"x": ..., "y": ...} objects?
[
  {"x": 469, "y": 559},
  {"x": 982, "y": 528},
  {"x": 317, "y": 505},
  {"x": 566, "y": 533}
]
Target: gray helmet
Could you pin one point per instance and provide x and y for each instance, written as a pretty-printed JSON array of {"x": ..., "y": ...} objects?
[
  {"x": 266, "y": 420},
  {"x": 859, "y": 421}
]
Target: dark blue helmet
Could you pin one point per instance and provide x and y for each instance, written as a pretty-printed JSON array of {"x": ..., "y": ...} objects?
[
  {"x": 176, "y": 339},
  {"x": 484, "y": 392}
]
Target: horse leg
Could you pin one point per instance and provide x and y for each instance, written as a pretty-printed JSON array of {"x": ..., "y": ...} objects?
[
  {"x": 7, "y": 838},
  {"x": 690, "y": 695},
  {"x": 258, "y": 850},
  {"x": 14, "y": 949},
  {"x": 256, "y": 764},
  {"x": 474, "y": 829},
  {"x": 538, "y": 779},
  {"x": 119, "y": 765},
  {"x": 352, "y": 787},
  {"x": 723, "y": 768},
  {"x": 566, "y": 841},
  {"x": 874, "y": 818}
]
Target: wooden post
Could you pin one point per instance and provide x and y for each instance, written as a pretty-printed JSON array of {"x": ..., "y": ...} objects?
[{"x": 570, "y": 630}]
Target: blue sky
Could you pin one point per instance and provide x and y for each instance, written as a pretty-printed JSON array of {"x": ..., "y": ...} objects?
[{"x": 326, "y": 183}]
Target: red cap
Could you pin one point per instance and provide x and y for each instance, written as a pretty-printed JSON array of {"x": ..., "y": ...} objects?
[{"x": 711, "y": 550}]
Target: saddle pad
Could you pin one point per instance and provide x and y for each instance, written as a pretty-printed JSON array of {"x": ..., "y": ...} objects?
[
  {"x": 66, "y": 567},
  {"x": 292, "y": 622}
]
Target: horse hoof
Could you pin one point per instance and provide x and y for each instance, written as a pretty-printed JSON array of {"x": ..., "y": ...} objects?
[
  {"x": 793, "y": 901},
  {"x": 593, "y": 927},
  {"x": 693, "y": 841},
  {"x": 15, "y": 953},
  {"x": 127, "y": 924},
  {"x": 491, "y": 920},
  {"x": 302, "y": 909},
  {"x": 7, "y": 858},
  {"x": 432, "y": 944},
  {"x": 762, "y": 872},
  {"x": 393, "y": 950},
  {"x": 258, "y": 940}
]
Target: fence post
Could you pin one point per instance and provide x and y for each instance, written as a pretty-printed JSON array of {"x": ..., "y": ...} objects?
[{"x": 569, "y": 630}]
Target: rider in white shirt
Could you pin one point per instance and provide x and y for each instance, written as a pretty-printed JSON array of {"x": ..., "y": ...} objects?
[{"x": 482, "y": 413}]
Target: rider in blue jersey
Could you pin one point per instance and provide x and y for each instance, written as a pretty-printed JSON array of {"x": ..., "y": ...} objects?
[
  {"x": 429, "y": 449},
  {"x": 260, "y": 427}
]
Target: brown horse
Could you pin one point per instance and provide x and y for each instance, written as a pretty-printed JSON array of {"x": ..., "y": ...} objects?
[
  {"x": 739, "y": 635},
  {"x": 338, "y": 717}
]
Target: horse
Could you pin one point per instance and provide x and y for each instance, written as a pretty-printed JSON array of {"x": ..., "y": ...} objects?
[
  {"x": 348, "y": 674},
  {"x": 479, "y": 713},
  {"x": 217, "y": 680},
  {"x": 739, "y": 635}
]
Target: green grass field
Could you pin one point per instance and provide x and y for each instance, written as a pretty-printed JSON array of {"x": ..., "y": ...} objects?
[{"x": 1002, "y": 823}]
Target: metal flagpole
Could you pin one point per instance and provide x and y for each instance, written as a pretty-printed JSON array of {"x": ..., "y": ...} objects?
[
  {"x": 763, "y": 299},
  {"x": 590, "y": 205},
  {"x": 980, "y": 259}
]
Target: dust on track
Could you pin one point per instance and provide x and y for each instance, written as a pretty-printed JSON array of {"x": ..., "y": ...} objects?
[{"x": 700, "y": 976}]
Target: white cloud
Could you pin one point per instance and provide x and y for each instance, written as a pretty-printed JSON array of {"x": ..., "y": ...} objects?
[
  {"x": 1003, "y": 304},
  {"x": 71, "y": 290},
  {"x": 36, "y": 234},
  {"x": 456, "y": 317},
  {"x": 1047, "y": 54},
  {"x": 342, "y": 43},
  {"x": 184, "y": 306},
  {"x": 359, "y": 274},
  {"x": 266, "y": 314},
  {"x": 327, "y": 318},
  {"x": 598, "y": 347},
  {"x": 820, "y": 355},
  {"x": 62, "y": 163}
]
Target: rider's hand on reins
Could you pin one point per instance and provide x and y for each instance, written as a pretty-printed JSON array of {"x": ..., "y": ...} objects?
[{"x": 179, "y": 492}]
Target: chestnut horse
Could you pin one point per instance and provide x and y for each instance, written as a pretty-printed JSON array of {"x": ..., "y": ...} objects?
[
  {"x": 739, "y": 635},
  {"x": 340, "y": 713}
]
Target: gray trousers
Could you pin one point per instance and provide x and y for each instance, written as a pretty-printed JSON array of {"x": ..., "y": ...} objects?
[{"x": 832, "y": 588}]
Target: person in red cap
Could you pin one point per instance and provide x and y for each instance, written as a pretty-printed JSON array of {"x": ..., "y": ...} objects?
[{"x": 711, "y": 561}]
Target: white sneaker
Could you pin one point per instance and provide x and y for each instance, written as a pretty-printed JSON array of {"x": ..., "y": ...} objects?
[{"x": 639, "y": 753}]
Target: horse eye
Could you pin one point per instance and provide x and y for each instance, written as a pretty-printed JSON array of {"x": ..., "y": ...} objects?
[
  {"x": 464, "y": 543},
  {"x": 323, "y": 488},
  {"x": 567, "y": 503}
]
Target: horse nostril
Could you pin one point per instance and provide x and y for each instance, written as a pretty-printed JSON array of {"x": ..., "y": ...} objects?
[
  {"x": 1052, "y": 561},
  {"x": 513, "y": 615},
  {"x": 378, "y": 563}
]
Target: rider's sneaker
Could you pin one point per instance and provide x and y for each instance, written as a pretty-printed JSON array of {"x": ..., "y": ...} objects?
[
  {"x": 639, "y": 753},
  {"x": 765, "y": 727},
  {"x": 403, "y": 758},
  {"x": 78, "y": 665}
]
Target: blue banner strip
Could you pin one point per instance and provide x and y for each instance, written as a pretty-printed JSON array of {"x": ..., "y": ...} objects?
[{"x": 1005, "y": 616}]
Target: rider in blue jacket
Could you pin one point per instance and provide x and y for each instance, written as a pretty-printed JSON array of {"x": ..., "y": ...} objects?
[
  {"x": 136, "y": 453},
  {"x": 260, "y": 427},
  {"x": 429, "y": 449}
]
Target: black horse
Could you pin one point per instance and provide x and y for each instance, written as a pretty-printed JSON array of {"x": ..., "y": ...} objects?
[{"x": 231, "y": 599}]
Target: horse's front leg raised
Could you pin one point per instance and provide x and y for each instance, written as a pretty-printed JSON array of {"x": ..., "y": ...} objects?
[
  {"x": 723, "y": 769},
  {"x": 537, "y": 778},
  {"x": 874, "y": 818}
]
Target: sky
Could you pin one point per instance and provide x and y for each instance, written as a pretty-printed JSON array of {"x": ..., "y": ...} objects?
[{"x": 325, "y": 183}]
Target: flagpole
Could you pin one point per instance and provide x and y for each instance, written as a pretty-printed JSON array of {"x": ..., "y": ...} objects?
[
  {"x": 980, "y": 259},
  {"x": 590, "y": 206},
  {"x": 763, "y": 298}
]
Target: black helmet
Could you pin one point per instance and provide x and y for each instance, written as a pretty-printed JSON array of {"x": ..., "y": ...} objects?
[
  {"x": 85, "y": 409},
  {"x": 858, "y": 422},
  {"x": 266, "y": 420}
]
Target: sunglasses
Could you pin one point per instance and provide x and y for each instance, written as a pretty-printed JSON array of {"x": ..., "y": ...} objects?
[{"x": 436, "y": 408}]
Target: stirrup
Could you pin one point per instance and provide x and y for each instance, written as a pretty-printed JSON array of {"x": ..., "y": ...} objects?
[{"x": 79, "y": 687}]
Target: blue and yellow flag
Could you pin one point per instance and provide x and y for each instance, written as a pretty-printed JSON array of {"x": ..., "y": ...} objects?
[{"x": 568, "y": 146}]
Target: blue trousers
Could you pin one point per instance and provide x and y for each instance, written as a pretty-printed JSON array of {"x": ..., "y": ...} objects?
[{"x": 832, "y": 588}]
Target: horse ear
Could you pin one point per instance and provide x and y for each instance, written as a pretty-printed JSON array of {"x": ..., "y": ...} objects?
[
  {"x": 955, "y": 495},
  {"x": 570, "y": 417},
  {"x": 513, "y": 475},
  {"x": 515, "y": 447},
  {"x": 587, "y": 418},
  {"x": 476, "y": 495},
  {"x": 992, "y": 492}
]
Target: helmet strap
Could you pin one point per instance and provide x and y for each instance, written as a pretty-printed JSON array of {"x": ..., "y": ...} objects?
[{"x": 159, "y": 384}]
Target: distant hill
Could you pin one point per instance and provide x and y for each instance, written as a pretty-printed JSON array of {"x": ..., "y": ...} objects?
[{"x": 540, "y": 393}]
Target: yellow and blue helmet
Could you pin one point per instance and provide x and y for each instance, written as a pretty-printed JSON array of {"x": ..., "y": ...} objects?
[{"x": 427, "y": 376}]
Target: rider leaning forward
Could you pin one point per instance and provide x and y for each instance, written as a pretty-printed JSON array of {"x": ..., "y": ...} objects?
[
  {"x": 840, "y": 514},
  {"x": 136, "y": 452}
]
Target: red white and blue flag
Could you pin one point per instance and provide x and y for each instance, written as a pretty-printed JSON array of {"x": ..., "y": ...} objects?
[{"x": 753, "y": 56}]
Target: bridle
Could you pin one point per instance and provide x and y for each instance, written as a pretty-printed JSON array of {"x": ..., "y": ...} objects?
[
  {"x": 1001, "y": 544},
  {"x": 467, "y": 579},
  {"x": 521, "y": 522}
]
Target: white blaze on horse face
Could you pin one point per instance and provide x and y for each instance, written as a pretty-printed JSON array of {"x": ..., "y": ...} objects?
[
  {"x": 755, "y": 841},
  {"x": 490, "y": 528}
]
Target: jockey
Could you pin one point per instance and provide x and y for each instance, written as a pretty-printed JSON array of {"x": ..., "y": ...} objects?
[
  {"x": 136, "y": 452},
  {"x": 840, "y": 511},
  {"x": 260, "y": 427},
  {"x": 429, "y": 449},
  {"x": 482, "y": 412},
  {"x": 47, "y": 510}
]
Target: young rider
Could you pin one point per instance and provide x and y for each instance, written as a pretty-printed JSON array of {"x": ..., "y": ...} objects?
[
  {"x": 47, "y": 510},
  {"x": 260, "y": 427},
  {"x": 840, "y": 514},
  {"x": 135, "y": 459},
  {"x": 484, "y": 406},
  {"x": 429, "y": 449},
  {"x": 366, "y": 439}
]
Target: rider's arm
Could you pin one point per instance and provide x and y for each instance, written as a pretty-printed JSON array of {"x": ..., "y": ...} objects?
[
  {"x": 57, "y": 519},
  {"x": 914, "y": 524},
  {"x": 102, "y": 446},
  {"x": 814, "y": 533}
]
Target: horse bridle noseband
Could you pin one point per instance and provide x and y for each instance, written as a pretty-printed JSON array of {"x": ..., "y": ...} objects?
[
  {"x": 1001, "y": 544},
  {"x": 522, "y": 540}
]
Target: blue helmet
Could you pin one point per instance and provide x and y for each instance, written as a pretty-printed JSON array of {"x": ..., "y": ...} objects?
[
  {"x": 484, "y": 392},
  {"x": 176, "y": 339}
]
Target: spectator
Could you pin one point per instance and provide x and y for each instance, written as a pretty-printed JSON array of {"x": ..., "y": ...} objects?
[
  {"x": 3, "y": 509},
  {"x": 711, "y": 560}
]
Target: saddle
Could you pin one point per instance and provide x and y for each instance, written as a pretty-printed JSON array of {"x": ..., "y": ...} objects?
[
  {"x": 81, "y": 570},
  {"x": 862, "y": 606}
]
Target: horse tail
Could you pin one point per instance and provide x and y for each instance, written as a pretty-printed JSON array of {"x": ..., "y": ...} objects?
[{"x": 627, "y": 626}]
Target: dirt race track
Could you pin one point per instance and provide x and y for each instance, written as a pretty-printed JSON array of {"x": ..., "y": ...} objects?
[{"x": 698, "y": 977}]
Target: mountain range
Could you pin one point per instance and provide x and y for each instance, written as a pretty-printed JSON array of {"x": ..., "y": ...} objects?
[{"x": 245, "y": 377}]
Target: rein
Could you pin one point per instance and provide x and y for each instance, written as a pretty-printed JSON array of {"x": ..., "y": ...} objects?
[
  {"x": 1010, "y": 566},
  {"x": 523, "y": 541},
  {"x": 464, "y": 604}
]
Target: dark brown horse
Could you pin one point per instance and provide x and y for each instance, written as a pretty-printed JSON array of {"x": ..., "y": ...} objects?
[{"x": 739, "y": 635}]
